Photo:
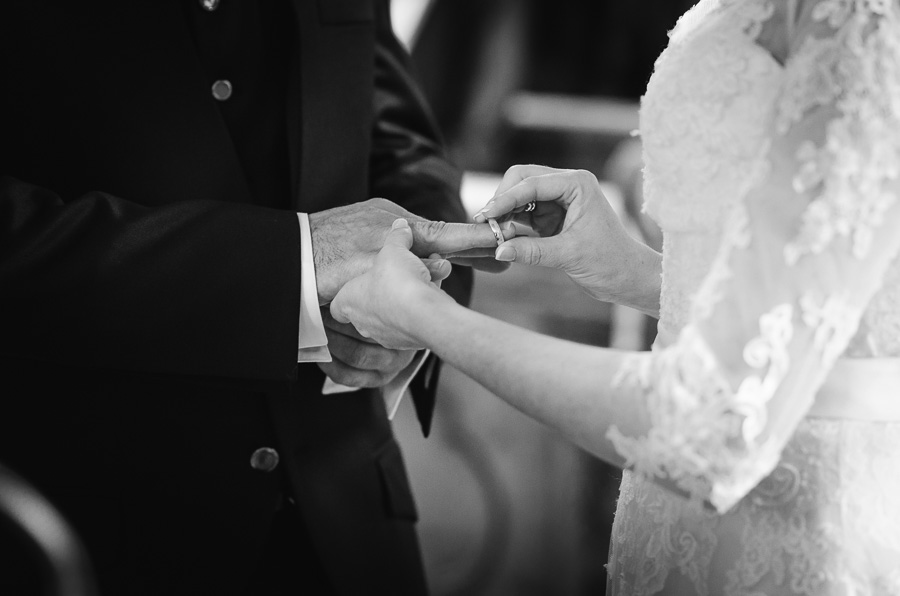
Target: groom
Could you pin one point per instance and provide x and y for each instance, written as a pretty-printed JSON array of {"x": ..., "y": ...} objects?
[{"x": 154, "y": 279}]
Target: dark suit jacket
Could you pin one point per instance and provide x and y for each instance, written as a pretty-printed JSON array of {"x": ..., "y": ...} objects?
[{"x": 149, "y": 309}]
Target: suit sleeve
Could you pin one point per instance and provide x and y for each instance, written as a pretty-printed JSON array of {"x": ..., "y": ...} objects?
[{"x": 188, "y": 289}]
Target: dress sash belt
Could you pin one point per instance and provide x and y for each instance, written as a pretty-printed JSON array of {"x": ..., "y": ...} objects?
[{"x": 866, "y": 389}]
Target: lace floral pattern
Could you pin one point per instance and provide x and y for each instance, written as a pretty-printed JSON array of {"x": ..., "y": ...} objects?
[
  {"x": 834, "y": 322},
  {"x": 824, "y": 519},
  {"x": 860, "y": 150},
  {"x": 834, "y": 487},
  {"x": 672, "y": 534},
  {"x": 726, "y": 154},
  {"x": 736, "y": 235},
  {"x": 724, "y": 158},
  {"x": 828, "y": 492},
  {"x": 700, "y": 427}
]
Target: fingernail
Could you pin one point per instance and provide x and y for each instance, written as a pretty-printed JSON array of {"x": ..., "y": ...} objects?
[
  {"x": 480, "y": 217},
  {"x": 505, "y": 253},
  {"x": 399, "y": 223}
]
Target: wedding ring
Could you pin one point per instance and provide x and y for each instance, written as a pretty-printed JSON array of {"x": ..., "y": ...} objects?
[
  {"x": 530, "y": 207},
  {"x": 495, "y": 228}
]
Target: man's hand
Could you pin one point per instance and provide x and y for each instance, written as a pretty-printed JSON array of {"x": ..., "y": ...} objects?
[
  {"x": 380, "y": 303},
  {"x": 357, "y": 361},
  {"x": 345, "y": 240}
]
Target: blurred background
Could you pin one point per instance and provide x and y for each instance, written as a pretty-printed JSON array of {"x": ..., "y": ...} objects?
[{"x": 506, "y": 507}]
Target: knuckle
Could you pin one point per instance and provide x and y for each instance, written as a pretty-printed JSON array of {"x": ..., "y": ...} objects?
[
  {"x": 434, "y": 229},
  {"x": 526, "y": 253},
  {"x": 529, "y": 185},
  {"x": 585, "y": 177},
  {"x": 515, "y": 170},
  {"x": 368, "y": 357},
  {"x": 339, "y": 310},
  {"x": 336, "y": 372},
  {"x": 369, "y": 360},
  {"x": 360, "y": 379},
  {"x": 533, "y": 189},
  {"x": 366, "y": 379},
  {"x": 346, "y": 375},
  {"x": 396, "y": 358},
  {"x": 540, "y": 255},
  {"x": 356, "y": 355}
]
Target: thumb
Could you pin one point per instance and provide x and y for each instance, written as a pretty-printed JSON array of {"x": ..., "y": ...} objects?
[
  {"x": 400, "y": 235},
  {"x": 338, "y": 310},
  {"x": 439, "y": 268},
  {"x": 527, "y": 251}
]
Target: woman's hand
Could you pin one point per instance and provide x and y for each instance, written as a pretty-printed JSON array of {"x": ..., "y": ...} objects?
[
  {"x": 580, "y": 233},
  {"x": 380, "y": 303}
]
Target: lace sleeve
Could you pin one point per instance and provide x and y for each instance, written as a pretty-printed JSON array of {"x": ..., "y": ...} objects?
[{"x": 802, "y": 255}]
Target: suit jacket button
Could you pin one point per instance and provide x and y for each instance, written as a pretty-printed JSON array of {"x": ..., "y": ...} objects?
[
  {"x": 209, "y": 5},
  {"x": 264, "y": 459},
  {"x": 222, "y": 89}
]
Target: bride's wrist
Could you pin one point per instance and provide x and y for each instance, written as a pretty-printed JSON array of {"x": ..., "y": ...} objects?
[
  {"x": 424, "y": 310},
  {"x": 647, "y": 272},
  {"x": 637, "y": 281}
]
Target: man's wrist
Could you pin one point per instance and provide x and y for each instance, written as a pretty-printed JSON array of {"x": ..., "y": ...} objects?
[
  {"x": 317, "y": 244},
  {"x": 324, "y": 258}
]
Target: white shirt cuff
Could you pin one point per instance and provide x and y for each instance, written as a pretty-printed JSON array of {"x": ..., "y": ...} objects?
[
  {"x": 312, "y": 343},
  {"x": 393, "y": 392}
]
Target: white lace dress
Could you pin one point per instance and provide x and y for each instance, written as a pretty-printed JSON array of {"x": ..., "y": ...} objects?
[{"x": 771, "y": 133}]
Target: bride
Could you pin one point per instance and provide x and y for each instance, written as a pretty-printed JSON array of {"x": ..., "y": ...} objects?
[{"x": 761, "y": 435}]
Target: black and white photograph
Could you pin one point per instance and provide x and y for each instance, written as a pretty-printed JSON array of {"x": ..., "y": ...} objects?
[{"x": 450, "y": 298}]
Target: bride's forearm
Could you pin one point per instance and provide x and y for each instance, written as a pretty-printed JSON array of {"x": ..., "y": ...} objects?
[{"x": 563, "y": 384}]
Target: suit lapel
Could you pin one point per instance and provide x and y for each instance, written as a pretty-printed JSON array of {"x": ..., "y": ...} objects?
[{"x": 330, "y": 107}]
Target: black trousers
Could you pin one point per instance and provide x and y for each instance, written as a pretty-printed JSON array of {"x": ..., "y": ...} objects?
[{"x": 290, "y": 565}]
